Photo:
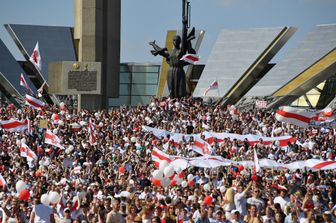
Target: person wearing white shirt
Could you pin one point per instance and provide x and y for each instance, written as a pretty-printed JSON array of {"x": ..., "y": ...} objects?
[
  {"x": 42, "y": 214},
  {"x": 282, "y": 199},
  {"x": 145, "y": 194},
  {"x": 240, "y": 198}
]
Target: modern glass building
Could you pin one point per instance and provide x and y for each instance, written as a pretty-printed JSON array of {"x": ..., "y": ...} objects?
[{"x": 138, "y": 83}]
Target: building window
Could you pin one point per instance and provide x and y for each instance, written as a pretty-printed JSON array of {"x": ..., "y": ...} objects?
[{"x": 138, "y": 83}]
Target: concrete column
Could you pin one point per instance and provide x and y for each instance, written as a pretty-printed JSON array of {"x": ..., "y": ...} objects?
[{"x": 97, "y": 34}]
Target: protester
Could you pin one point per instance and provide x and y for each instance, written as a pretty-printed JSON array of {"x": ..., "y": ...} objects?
[{"x": 106, "y": 174}]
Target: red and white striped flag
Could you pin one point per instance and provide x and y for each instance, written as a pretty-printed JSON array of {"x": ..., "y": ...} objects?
[
  {"x": 30, "y": 131},
  {"x": 77, "y": 169},
  {"x": 158, "y": 156},
  {"x": 24, "y": 84},
  {"x": 75, "y": 127},
  {"x": 75, "y": 203},
  {"x": 279, "y": 187},
  {"x": 34, "y": 102},
  {"x": 304, "y": 117},
  {"x": 3, "y": 181},
  {"x": 190, "y": 58},
  {"x": 90, "y": 130},
  {"x": 40, "y": 90},
  {"x": 25, "y": 151},
  {"x": 14, "y": 125},
  {"x": 213, "y": 86},
  {"x": 52, "y": 139},
  {"x": 35, "y": 58},
  {"x": 256, "y": 166}
]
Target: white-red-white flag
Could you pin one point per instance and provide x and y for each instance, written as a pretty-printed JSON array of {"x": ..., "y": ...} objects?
[
  {"x": 40, "y": 90},
  {"x": 14, "y": 125},
  {"x": 24, "y": 84},
  {"x": 30, "y": 130},
  {"x": 90, "y": 130},
  {"x": 77, "y": 169},
  {"x": 35, "y": 58},
  {"x": 213, "y": 86},
  {"x": 75, "y": 127},
  {"x": 256, "y": 166},
  {"x": 304, "y": 117},
  {"x": 25, "y": 151},
  {"x": 190, "y": 58},
  {"x": 3, "y": 181},
  {"x": 34, "y": 102},
  {"x": 52, "y": 139},
  {"x": 75, "y": 203},
  {"x": 279, "y": 187}
]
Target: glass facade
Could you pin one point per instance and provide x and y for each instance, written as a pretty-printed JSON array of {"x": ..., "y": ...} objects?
[
  {"x": 138, "y": 83},
  {"x": 55, "y": 43},
  {"x": 12, "y": 71}
]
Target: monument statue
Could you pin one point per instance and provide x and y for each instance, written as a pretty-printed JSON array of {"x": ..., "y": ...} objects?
[{"x": 176, "y": 78}]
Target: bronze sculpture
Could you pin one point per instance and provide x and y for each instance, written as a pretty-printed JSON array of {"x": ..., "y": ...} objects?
[{"x": 176, "y": 78}]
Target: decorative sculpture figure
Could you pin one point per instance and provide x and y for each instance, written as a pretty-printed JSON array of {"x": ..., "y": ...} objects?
[{"x": 176, "y": 78}]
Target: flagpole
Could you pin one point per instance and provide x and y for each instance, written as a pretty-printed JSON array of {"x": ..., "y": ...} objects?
[{"x": 217, "y": 89}]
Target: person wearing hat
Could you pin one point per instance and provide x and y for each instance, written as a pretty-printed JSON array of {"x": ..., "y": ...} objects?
[
  {"x": 327, "y": 217},
  {"x": 235, "y": 217},
  {"x": 219, "y": 217},
  {"x": 66, "y": 216}
]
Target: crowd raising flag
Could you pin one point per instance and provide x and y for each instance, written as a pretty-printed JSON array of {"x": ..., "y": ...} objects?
[
  {"x": 213, "y": 86},
  {"x": 52, "y": 139},
  {"x": 24, "y": 84},
  {"x": 217, "y": 161},
  {"x": 25, "y": 151},
  {"x": 13, "y": 125},
  {"x": 40, "y": 90},
  {"x": 34, "y": 102},
  {"x": 256, "y": 167},
  {"x": 304, "y": 117},
  {"x": 35, "y": 58},
  {"x": 190, "y": 58}
]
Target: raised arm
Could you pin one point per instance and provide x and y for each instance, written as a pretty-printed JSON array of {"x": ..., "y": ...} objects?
[{"x": 158, "y": 50}]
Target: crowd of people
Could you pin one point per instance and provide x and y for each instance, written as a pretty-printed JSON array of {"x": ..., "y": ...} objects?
[{"x": 113, "y": 183}]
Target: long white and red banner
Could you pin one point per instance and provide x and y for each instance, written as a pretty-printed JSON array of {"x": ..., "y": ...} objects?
[
  {"x": 210, "y": 136},
  {"x": 304, "y": 117},
  {"x": 13, "y": 125},
  {"x": 216, "y": 161}
]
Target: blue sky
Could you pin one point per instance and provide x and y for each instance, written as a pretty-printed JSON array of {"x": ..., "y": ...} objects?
[{"x": 145, "y": 20}]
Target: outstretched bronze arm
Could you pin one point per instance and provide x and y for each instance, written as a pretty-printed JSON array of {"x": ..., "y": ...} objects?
[{"x": 158, "y": 50}]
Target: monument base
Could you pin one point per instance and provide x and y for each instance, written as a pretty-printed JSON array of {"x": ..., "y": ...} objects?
[{"x": 91, "y": 102}]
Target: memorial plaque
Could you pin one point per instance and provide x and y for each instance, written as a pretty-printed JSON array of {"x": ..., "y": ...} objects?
[
  {"x": 73, "y": 77},
  {"x": 82, "y": 80}
]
